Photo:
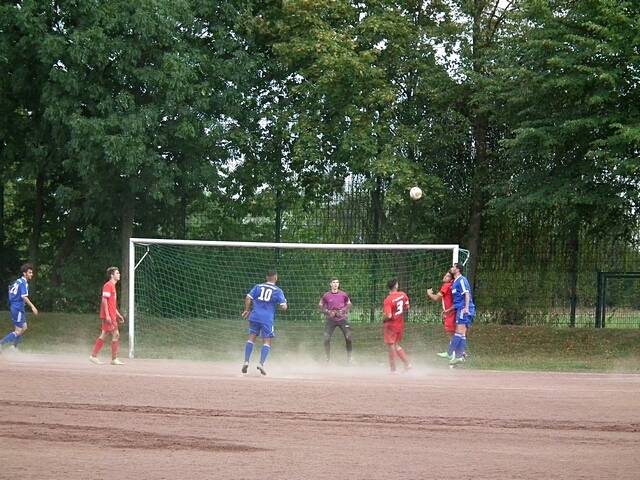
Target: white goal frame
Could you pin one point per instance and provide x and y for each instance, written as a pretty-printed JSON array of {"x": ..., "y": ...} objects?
[{"x": 455, "y": 249}]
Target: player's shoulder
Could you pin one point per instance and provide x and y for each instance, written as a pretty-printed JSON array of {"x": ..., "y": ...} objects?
[{"x": 108, "y": 286}]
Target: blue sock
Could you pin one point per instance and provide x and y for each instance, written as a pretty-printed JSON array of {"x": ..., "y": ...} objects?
[
  {"x": 9, "y": 338},
  {"x": 263, "y": 353},
  {"x": 17, "y": 341},
  {"x": 248, "y": 349},
  {"x": 461, "y": 344},
  {"x": 453, "y": 345}
]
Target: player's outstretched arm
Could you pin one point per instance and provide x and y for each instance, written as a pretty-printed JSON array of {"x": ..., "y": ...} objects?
[{"x": 433, "y": 296}]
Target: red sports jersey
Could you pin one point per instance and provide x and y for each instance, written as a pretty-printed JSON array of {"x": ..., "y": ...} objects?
[
  {"x": 109, "y": 292},
  {"x": 447, "y": 302},
  {"x": 447, "y": 298},
  {"x": 395, "y": 305}
]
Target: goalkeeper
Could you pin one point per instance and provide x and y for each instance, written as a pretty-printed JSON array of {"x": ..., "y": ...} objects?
[{"x": 335, "y": 305}]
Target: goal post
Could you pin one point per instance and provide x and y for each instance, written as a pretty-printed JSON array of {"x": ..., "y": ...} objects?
[{"x": 187, "y": 295}]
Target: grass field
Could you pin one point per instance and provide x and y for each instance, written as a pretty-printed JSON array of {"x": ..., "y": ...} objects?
[{"x": 491, "y": 346}]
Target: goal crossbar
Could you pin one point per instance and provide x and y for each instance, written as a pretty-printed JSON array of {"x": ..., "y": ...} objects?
[{"x": 323, "y": 246}]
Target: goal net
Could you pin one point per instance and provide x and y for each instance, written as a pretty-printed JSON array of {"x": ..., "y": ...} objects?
[{"x": 186, "y": 297}]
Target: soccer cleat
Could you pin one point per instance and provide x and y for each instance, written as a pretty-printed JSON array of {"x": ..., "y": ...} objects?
[
  {"x": 245, "y": 367},
  {"x": 456, "y": 360},
  {"x": 408, "y": 367},
  {"x": 95, "y": 360},
  {"x": 117, "y": 361},
  {"x": 261, "y": 369},
  {"x": 443, "y": 355}
]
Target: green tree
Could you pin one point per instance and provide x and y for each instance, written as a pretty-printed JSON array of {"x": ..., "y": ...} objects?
[
  {"x": 367, "y": 91},
  {"x": 570, "y": 88}
]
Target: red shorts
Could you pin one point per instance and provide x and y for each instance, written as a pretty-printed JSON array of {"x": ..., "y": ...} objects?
[
  {"x": 392, "y": 334},
  {"x": 109, "y": 327},
  {"x": 450, "y": 321}
]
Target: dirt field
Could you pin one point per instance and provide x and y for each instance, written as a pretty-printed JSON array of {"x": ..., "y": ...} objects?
[{"x": 64, "y": 418}]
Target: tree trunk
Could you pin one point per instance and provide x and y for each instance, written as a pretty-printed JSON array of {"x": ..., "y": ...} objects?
[
  {"x": 377, "y": 207},
  {"x": 64, "y": 251},
  {"x": 126, "y": 232},
  {"x": 38, "y": 214},
  {"x": 2, "y": 235},
  {"x": 277, "y": 234},
  {"x": 480, "y": 145},
  {"x": 478, "y": 200},
  {"x": 573, "y": 251}
]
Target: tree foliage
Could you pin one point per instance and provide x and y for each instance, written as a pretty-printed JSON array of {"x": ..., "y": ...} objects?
[{"x": 298, "y": 120}]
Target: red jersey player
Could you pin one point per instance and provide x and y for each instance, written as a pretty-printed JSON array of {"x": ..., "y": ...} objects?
[
  {"x": 395, "y": 305},
  {"x": 448, "y": 310},
  {"x": 110, "y": 317}
]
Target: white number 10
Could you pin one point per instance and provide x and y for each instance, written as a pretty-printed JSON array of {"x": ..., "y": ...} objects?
[{"x": 265, "y": 294}]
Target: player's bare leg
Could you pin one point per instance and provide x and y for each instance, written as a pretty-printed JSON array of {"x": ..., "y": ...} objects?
[{"x": 115, "y": 346}]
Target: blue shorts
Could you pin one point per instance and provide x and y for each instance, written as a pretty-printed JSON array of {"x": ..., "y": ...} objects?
[
  {"x": 18, "y": 317},
  {"x": 261, "y": 329},
  {"x": 464, "y": 319}
]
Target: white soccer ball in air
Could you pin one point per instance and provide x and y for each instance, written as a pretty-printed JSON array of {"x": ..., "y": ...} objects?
[{"x": 415, "y": 193}]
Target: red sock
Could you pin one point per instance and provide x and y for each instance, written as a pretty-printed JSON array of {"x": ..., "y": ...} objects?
[
  {"x": 392, "y": 360},
  {"x": 402, "y": 355},
  {"x": 115, "y": 345},
  {"x": 97, "y": 347}
]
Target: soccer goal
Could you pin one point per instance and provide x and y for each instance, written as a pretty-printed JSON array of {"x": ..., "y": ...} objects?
[{"x": 186, "y": 297}]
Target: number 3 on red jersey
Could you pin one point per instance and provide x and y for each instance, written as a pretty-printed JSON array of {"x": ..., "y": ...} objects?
[{"x": 399, "y": 307}]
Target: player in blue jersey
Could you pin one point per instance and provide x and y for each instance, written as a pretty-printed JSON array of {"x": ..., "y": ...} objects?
[
  {"x": 465, "y": 312},
  {"x": 266, "y": 298},
  {"x": 18, "y": 297}
]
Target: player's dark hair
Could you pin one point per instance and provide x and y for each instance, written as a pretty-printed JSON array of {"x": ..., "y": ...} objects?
[
  {"x": 334, "y": 279},
  {"x": 391, "y": 284},
  {"x": 459, "y": 266},
  {"x": 25, "y": 267},
  {"x": 272, "y": 274},
  {"x": 111, "y": 271}
]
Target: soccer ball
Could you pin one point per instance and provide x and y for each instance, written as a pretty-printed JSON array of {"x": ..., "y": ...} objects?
[{"x": 415, "y": 193}]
